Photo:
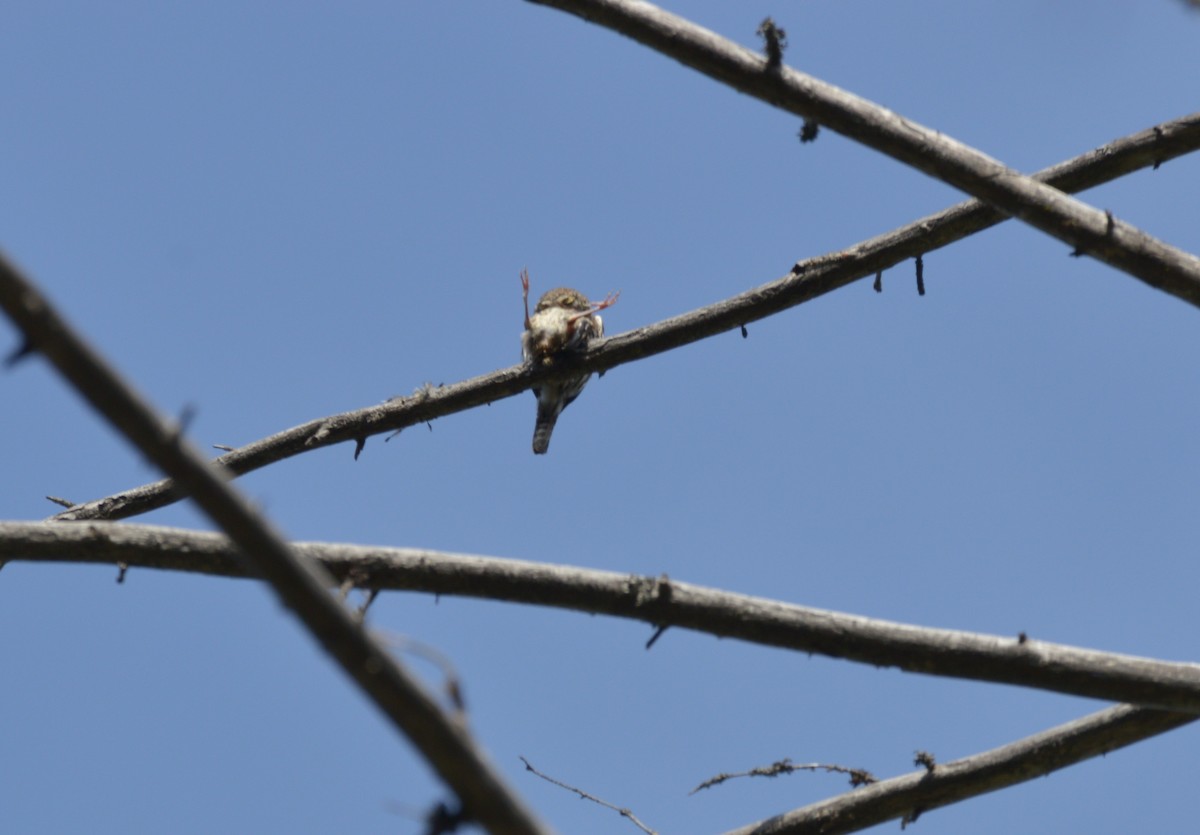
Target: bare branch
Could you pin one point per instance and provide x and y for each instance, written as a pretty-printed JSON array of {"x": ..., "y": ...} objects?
[
  {"x": 858, "y": 776},
  {"x": 1087, "y": 229},
  {"x": 808, "y": 280},
  {"x": 910, "y": 795},
  {"x": 621, "y": 810},
  {"x": 655, "y": 600},
  {"x": 302, "y": 584}
]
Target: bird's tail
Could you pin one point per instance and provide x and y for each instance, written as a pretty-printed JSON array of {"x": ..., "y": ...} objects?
[{"x": 547, "y": 416}]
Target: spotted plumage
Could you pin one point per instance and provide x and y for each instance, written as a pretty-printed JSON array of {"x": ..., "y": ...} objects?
[{"x": 562, "y": 322}]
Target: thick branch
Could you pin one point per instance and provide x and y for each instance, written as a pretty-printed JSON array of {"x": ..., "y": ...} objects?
[
  {"x": 910, "y": 795},
  {"x": 1089, "y": 230},
  {"x": 302, "y": 584},
  {"x": 808, "y": 280},
  {"x": 660, "y": 602}
]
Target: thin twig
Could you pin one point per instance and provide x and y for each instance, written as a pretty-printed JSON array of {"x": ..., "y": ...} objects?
[
  {"x": 624, "y": 812},
  {"x": 452, "y": 682},
  {"x": 1019, "y": 660},
  {"x": 858, "y": 776},
  {"x": 808, "y": 280},
  {"x": 302, "y": 584},
  {"x": 1087, "y": 229}
]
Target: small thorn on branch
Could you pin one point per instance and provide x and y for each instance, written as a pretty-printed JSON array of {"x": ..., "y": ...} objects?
[
  {"x": 368, "y": 598},
  {"x": 122, "y": 568},
  {"x": 359, "y": 443},
  {"x": 223, "y": 447},
  {"x": 60, "y": 501},
  {"x": 878, "y": 282},
  {"x": 25, "y": 349},
  {"x": 920, "y": 275},
  {"x": 186, "y": 417}
]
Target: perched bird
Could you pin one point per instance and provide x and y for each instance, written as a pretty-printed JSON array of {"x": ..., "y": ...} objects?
[{"x": 562, "y": 322}]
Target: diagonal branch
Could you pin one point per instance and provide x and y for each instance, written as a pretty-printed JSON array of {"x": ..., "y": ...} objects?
[
  {"x": 808, "y": 280},
  {"x": 623, "y": 811},
  {"x": 302, "y": 584},
  {"x": 660, "y": 602},
  {"x": 908, "y": 796},
  {"x": 1089, "y": 230}
]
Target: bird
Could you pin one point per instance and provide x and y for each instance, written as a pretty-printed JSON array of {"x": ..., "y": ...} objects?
[{"x": 562, "y": 323}]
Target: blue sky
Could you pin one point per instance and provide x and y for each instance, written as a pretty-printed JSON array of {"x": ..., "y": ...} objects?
[{"x": 277, "y": 214}]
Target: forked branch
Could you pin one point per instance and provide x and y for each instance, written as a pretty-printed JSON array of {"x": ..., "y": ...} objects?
[
  {"x": 302, "y": 584},
  {"x": 1088, "y": 230}
]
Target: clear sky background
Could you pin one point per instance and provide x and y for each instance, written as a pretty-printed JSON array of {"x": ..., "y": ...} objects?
[{"x": 276, "y": 212}]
